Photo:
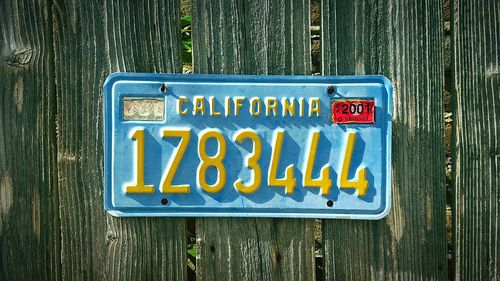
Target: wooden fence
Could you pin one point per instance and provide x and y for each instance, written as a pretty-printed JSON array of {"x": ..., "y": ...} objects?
[{"x": 55, "y": 55}]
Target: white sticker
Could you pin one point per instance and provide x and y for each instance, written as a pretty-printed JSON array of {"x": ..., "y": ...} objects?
[{"x": 143, "y": 109}]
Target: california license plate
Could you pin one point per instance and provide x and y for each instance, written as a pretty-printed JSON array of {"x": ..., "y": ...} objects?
[{"x": 247, "y": 146}]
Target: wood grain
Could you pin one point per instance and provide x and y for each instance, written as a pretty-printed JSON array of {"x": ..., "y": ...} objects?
[
  {"x": 91, "y": 40},
  {"x": 403, "y": 41},
  {"x": 253, "y": 37},
  {"x": 29, "y": 211},
  {"x": 54, "y": 57},
  {"x": 476, "y": 39}
]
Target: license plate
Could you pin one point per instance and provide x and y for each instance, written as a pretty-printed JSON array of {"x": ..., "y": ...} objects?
[{"x": 247, "y": 146}]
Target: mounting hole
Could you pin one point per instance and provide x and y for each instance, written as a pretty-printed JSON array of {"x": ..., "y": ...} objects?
[
  {"x": 163, "y": 87},
  {"x": 329, "y": 203},
  {"x": 330, "y": 90},
  {"x": 164, "y": 201}
]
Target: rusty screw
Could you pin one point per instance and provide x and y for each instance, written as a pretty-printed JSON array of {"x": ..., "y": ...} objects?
[
  {"x": 163, "y": 88},
  {"x": 331, "y": 90}
]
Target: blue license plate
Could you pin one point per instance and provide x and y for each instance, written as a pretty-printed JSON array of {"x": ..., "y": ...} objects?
[{"x": 247, "y": 146}]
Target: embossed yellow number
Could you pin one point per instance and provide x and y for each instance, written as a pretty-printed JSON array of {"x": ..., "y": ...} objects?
[
  {"x": 215, "y": 161},
  {"x": 251, "y": 161},
  {"x": 167, "y": 186},
  {"x": 324, "y": 182},
  {"x": 288, "y": 181},
  {"x": 361, "y": 184},
  {"x": 139, "y": 186}
]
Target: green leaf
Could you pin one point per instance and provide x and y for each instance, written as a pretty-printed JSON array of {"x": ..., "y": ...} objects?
[
  {"x": 186, "y": 20},
  {"x": 192, "y": 252},
  {"x": 187, "y": 43}
]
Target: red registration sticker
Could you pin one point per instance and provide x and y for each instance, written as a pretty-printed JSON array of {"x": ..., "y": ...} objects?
[{"x": 353, "y": 111}]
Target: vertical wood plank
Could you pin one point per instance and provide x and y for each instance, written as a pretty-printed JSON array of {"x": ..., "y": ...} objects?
[
  {"x": 253, "y": 37},
  {"x": 91, "y": 40},
  {"x": 476, "y": 37},
  {"x": 29, "y": 212},
  {"x": 403, "y": 41}
]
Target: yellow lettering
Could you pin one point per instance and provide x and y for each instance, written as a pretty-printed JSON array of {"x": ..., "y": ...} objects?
[
  {"x": 238, "y": 105},
  {"x": 213, "y": 112},
  {"x": 180, "y": 101},
  {"x": 208, "y": 161},
  {"x": 301, "y": 107},
  {"x": 288, "y": 106},
  {"x": 255, "y": 106},
  {"x": 139, "y": 186},
  {"x": 288, "y": 181},
  {"x": 199, "y": 105},
  {"x": 361, "y": 184},
  {"x": 324, "y": 182},
  {"x": 271, "y": 104},
  {"x": 314, "y": 107},
  {"x": 173, "y": 165},
  {"x": 252, "y": 161},
  {"x": 227, "y": 101}
]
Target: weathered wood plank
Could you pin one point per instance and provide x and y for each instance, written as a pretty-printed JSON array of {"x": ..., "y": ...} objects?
[
  {"x": 253, "y": 37},
  {"x": 93, "y": 39},
  {"x": 402, "y": 40},
  {"x": 29, "y": 211},
  {"x": 476, "y": 40}
]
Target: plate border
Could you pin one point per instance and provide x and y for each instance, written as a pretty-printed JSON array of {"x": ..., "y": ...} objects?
[{"x": 157, "y": 77}]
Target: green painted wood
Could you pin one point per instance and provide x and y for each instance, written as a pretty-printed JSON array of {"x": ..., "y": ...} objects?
[
  {"x": 476, "y": 37},
  {"x": 91, "y": 40},
  {"x": 404, "y": 41},
  {"x": 29, "y": 212},
  {"x": 253, "y": 37}
]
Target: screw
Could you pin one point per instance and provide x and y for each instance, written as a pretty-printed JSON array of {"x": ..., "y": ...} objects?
[
  {"x": 164, "y": 201},
  {"x": 330, "y": 89},
  {"x": 329, "y": 203},
  {"x": 163, "y": 88}
]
